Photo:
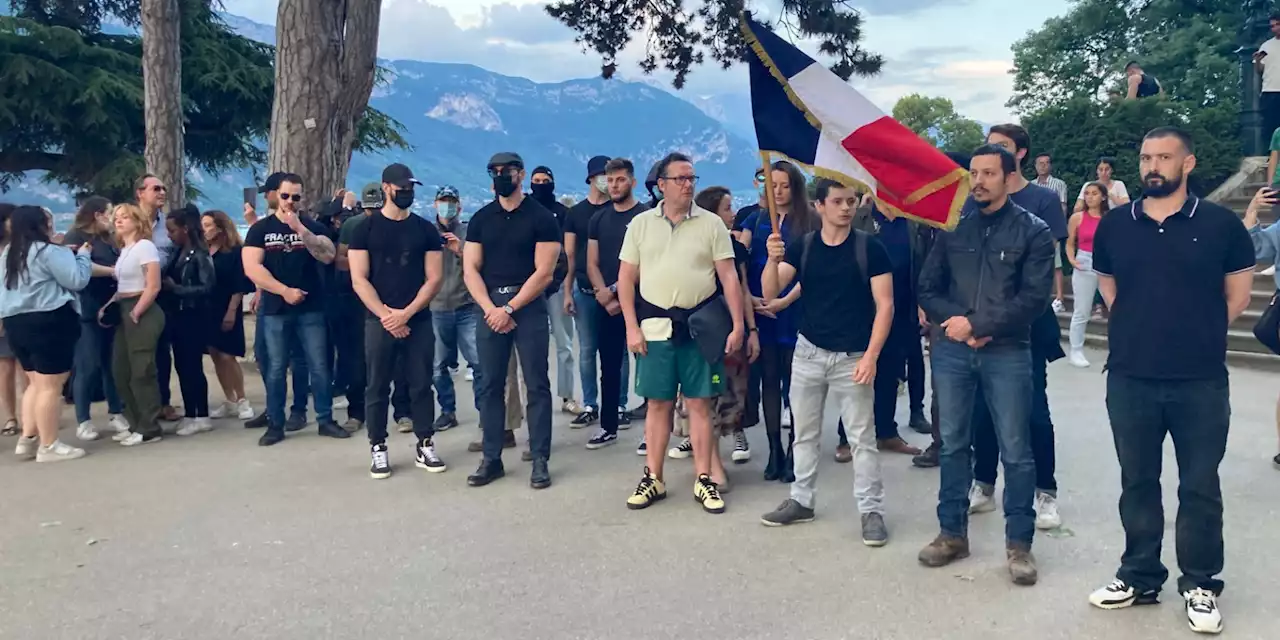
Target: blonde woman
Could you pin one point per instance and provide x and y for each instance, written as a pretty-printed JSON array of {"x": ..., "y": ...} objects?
[
  {"x": 226, "y": 338},
  {"x": 139, "y": 322}
]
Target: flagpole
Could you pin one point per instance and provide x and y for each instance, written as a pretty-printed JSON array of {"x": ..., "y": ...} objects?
[{"x": 768, "y": 190}]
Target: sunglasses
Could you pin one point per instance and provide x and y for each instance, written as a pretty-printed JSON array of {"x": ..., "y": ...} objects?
[
  {"x": 296, "y": 197},
  {"x": 159, "y": 189}
]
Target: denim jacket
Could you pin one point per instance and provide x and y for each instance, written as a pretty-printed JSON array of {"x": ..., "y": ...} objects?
[
  {"x": 54, "y": 275},
  {"x": 1266, "y": 245}
]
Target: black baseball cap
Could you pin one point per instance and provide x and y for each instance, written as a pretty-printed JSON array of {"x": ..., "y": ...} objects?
[
  {"x": 399, "y": 175},
  {"x": 544, "y": 170},
  {"x": 506, "y": 159},
  {"x": 273, "y": 182},
  {"x": 595, "y": 166}
]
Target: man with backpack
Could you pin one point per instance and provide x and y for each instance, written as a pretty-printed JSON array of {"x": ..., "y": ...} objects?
[{"x": 844, "y": 323}]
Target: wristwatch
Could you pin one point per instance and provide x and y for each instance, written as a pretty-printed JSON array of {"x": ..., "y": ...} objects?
[{"x": 509, "y": 309}]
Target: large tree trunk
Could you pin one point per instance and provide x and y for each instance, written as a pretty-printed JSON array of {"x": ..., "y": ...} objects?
[
  {"x": 326, "y": 55},
  {"x": 162, "y": 78}
]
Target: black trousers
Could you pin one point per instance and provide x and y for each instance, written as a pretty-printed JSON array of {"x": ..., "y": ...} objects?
[
  {"x": 902, "y": 345},
  {"x": 188, "y": 333},
  {"x": 164, "y": 364},
  {"x": 611, "y": 343},
  {"x": 775, "y": 382},
  {"x": 402, "y": 390},
  {"x": 986, "y": 448},
  {"x": 530, "y": 339},
  {"x": 1197, "y": 415},
  {"x": 350, "y": 339},
  {"x": 1269, "y": 105},
  {"x": 417, "y": 352}
]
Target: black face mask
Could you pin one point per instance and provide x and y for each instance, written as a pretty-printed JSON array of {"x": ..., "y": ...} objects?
[
  {"x": 403, "y": 198},
  {"x": 504, "y": 185},
  {"x": 545, "y": 192}
]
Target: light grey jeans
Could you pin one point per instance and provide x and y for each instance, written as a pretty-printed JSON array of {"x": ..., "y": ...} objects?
[
  {"x": 1084, "y": 284},
  {"x": 562, "y": 333},
  {"x": 815, "y": 373}
]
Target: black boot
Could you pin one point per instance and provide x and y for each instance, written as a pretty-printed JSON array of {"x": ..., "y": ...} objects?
[
  {"x": 273, "y": 435},
  {"x": 540, "y": 478},
  {"x": 773, "y": 470},
  {"x": 488, "y": 471}
]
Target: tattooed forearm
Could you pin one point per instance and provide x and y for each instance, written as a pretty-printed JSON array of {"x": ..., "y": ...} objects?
[{"x": 320, "y": 247}]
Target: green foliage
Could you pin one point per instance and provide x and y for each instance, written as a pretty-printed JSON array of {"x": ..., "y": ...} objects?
[
  {"x": 936, "y": 120},
  {"x": 679, "y": 38},
  {"x": 73, "y": 95}
]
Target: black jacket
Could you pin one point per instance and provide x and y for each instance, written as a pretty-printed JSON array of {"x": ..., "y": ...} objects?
[
  {"x": 997, "y": 272},
  {"x": 192, "y": 274}
]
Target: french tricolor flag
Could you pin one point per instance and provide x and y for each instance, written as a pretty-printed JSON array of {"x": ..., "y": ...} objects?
[{"x": 808, "y": 114}]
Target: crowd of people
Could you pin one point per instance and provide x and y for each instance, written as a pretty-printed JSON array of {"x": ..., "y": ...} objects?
[{"x": 805, "y": 296}]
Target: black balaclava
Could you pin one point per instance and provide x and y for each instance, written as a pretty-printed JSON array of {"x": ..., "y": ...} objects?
[{"x": 545, "y": 194}]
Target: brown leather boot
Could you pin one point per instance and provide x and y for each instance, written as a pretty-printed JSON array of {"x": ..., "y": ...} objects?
[
  {"x": 1022, "y": 565},
  {"x": 943, "y": 551}
]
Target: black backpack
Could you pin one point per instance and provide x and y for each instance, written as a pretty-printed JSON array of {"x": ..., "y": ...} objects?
[{"x": 859, "y": 252}]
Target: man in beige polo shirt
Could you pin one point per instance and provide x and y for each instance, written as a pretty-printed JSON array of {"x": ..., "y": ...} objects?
[{"x": 677, "y": 253}]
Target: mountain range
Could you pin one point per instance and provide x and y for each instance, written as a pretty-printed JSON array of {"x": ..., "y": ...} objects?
[{"x": 457, "y": 115}]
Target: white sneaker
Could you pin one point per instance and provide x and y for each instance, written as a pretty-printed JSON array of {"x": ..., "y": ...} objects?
[
  {"x": 681, "y": 451},
  {"x": 341, "y": 403},
  {"x": 221, "y": 411},
  {"x": 118, "y": 424},
  {"x": 1058, "y": 306},
  {"x": 135, "y": 439},
  {"x": 205, "y": 424},
  {"x": 86, "y": 431},
  {"x": 1047, "y": 512},
  {"x": 980, "y": 502},
  {"x": 121, "y": 435},
  {"x": 188, "y": 427},
  {"x": 1077, "y": 359},
  {"x": 786, "y": 417},
  {"x": 58, "y": 452},
  {"x": 471, "y": 375},
  {"x": 1202, "y": 611},
  {"x": 26, "y": 448},
  {"x": 1269, "y": 271},
  {"x": 244, "y": 410}
]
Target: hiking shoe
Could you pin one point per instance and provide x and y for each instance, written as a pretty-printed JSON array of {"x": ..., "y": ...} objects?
[
  {"x": 649, "y": 491},
  {"x": 874, "y": 531},
  {"x": 982, "y": 498},
  {"x": 330, "y": 429},
  {"x": 586, "y": 418},
  {"x": 445, "y": 422},
  {"x": 1121, "y": 595},
  {"x": 404, "y": 425},
  {"x": 1202, "y": 611},
  {"x": 706, "y": 493},
  {"x": 86, "y": 431},
  {"x": 789, "y": 512},
  {"x": 381, "y": 466},
  {"x": 929, "y": 459},
  {"x": 58, "y": 452},
  {"x": 26, "y": 447},
  {"x": 295, "y": 422},
  {"x": 1047, "y": 511},
  {"x": 258, "y": 422},
  {"x": 741, "y": 448},
  {"x": 919, "y": 423},
  {"x": 943, "y": 551},
  {"x": 1022, "y": 565},
  {"x": 427, "y": 458},
  {"x": 134, "y": 439},
  {"x": 681, "y": 451},
  {"x": 602, "y": 439},
  {"x": 642, "y": 449},
  {"x": 844, "y": 453}
]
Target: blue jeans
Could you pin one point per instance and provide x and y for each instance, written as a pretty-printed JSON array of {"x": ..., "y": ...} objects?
[
  {"x": 297, "y": 363},
  {"x": 93, "y": 365},
  {"x": 455, "y": 331},
  {"x": 1001, "y": 375},
  {"x": 587, "y": 309},
  {"x": 309, "y": 330}
]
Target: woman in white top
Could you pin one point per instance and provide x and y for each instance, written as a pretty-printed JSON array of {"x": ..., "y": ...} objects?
[
  {"x": 139, "y": 322},
  {"x": 1117, "y": 194}
]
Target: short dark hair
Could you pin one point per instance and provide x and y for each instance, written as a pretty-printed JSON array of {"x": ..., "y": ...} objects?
[
  {"x": 620, "y": 164},
  {"x": 1275, "y": 17},
  {"x": 1044, "y": 154},
  {"x": 822, "y": 188},
  {"x": 1110, "y": 161},
  {"x": 1021, "y": 139},
  {"x": 1132, "y": 64},
  {"x": 710, "y": 198},
  {"x": 961, "y": 159},
  {"x": 669, "y": 160},
  {"x": 292, "y": 177},
  {"x": 1172, "y": 132},
  {"x": 1007, "y": 162}
]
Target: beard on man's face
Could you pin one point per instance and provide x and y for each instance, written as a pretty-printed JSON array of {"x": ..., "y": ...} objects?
[{"x": 1155, "y": 185}]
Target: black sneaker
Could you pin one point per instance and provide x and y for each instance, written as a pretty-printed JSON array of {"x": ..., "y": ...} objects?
[
  {"x": 273, "y": 435},
  {"x": 445, "y": 422},
  {"x": 741, "y": 448},
  {"x": 488, "y": 471},
  {"x": 602, "y": 439},
  {"x": 331, "y": 429},
  {"x": 789, "y": 512},
  {"x": 295, "y": 423},
  {"x": 427, "y": 458},
  {"x": 585, "y": 419},
  {"x": 624, "y": 419},
  {"x": 258, "y": 422},
  {"x": 643, "y": 448},
  {"x": 381, "y": 467}
]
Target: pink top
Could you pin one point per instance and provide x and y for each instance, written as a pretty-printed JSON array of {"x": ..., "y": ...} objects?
[{"x": 1084, "y": 232}]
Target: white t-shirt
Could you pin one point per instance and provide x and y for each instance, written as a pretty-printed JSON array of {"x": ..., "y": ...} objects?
[
  {"x": 129, "y": 272},
  {"x": 1271, "y": 65},
  {"x": 1116, "y": 195}
]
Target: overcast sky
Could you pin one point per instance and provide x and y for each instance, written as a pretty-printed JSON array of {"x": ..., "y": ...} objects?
[{"x": 957, "y": 49}]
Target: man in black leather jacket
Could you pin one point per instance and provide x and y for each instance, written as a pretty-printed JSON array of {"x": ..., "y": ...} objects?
[{"x": 981, "y": 287}]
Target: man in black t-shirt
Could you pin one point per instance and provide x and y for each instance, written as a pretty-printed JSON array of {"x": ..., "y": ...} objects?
[
  {"x": 508, "y": 262},
  {"x": 605, "y": 233},
  {"x": 579, "y": 294},
  {"x": 282, "y": 256},
  {"x": 542, "y": 187},
  {"x": 844, "y": 322},
  {"x": 396, "y": 267}
]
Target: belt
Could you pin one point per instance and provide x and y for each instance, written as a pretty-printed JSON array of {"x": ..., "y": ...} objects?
[{"x": 506, "y": 290}]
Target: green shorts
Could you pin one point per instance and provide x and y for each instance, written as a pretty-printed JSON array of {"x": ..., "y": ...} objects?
[{"x": 669, "y": 368}]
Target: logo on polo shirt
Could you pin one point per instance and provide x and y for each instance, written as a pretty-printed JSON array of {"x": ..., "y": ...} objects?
[{"x": 282, "y": 242}]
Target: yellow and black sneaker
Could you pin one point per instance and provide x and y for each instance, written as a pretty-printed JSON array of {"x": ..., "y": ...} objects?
[
  {"x": 708, "y": 494},
  {"x": 649, "y": 491}
]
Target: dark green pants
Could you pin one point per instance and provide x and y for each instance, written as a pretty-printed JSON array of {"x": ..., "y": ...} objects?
[{"x": 133, "y": 363}]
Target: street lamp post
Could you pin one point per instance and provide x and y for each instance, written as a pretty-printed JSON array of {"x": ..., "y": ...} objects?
[{"x": 1254, "y": 141}]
